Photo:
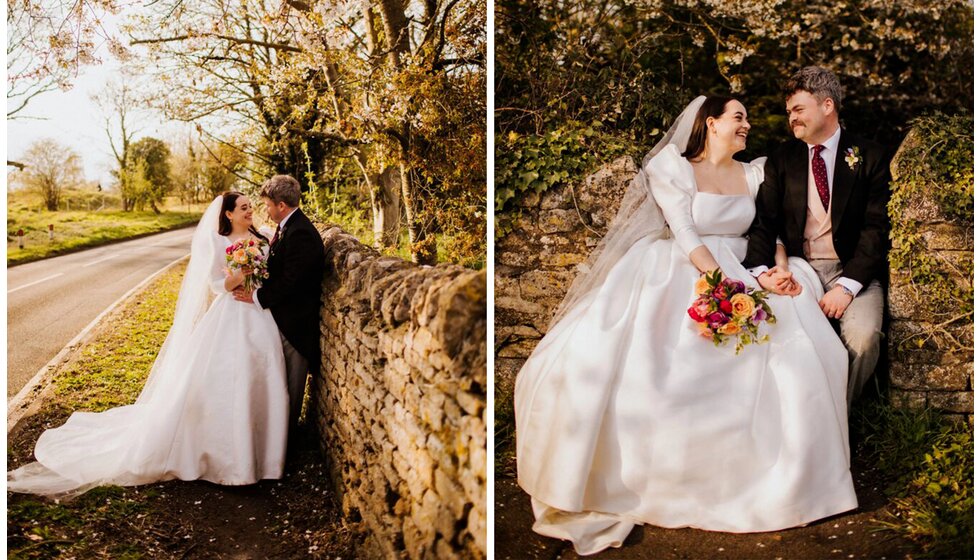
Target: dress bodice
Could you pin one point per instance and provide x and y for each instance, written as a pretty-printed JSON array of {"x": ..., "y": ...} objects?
[
  {"x": 720, "y": 214},
  {"x": 691, "y": 214}
]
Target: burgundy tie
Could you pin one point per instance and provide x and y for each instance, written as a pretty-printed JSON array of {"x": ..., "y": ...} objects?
[
  {"x": 275, "y": 237},
  {"x": 820, "y": 177}
]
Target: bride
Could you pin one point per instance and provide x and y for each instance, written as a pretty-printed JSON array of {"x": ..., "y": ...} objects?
[
  {"x": 626, "y": 415},
  {"x": 215, "y": 405}
]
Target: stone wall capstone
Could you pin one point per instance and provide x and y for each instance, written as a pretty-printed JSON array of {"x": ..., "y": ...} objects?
[
  {"x": 537, "y": 261},
  {"x": 400, "y": 401}
]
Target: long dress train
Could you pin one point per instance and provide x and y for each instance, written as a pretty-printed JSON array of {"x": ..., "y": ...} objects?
[{"x": 214, "y": 408}]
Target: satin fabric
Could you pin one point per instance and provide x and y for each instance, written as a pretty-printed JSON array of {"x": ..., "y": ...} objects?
[
  {"x": 225, "y": 421},
  {"x": 626, "y": 415}
]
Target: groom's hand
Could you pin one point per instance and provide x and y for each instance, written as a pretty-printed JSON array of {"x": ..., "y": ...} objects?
[
  {"x": 243, "y": 295},
  {"x": 834, "y": 302},
  {"x": 780, "y": 282}
]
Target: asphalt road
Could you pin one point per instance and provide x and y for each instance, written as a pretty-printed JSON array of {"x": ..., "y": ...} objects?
[{"x": 50, "y": 301}]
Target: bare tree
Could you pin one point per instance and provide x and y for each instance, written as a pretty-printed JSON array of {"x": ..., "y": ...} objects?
[
  {"x": 119, "y": 107},
  {"x": 49, "y": 168}
]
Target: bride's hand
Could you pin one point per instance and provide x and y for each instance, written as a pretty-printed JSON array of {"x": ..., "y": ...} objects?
[{"x": 235, "y": 278}]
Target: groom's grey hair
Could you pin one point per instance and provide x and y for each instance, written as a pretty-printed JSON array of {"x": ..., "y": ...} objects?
[
  {"x": 819, "y": 82},
  {"x": 282, "y": 188}
]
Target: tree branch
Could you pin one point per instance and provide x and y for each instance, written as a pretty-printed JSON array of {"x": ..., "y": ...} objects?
[{"x": 236, "y": 40}]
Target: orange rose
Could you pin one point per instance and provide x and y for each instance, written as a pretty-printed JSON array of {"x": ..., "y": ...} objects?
[
  {"x": 743, "y": 305},
  {"x": 730, "y": 328},
  {"x": 704, "y": 330},
  {"x": 702, "y": 287},
  {"x": 239, "y": 256}
]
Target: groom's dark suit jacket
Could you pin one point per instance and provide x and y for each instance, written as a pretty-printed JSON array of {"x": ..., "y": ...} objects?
[
  {"x": 292, "y": 291},
  {"x": 857, "y": 207}
]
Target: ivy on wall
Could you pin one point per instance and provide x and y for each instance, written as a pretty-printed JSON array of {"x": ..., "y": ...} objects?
[
  {"x": 934, "y": 167},
  {"x": 531, "y": 164}
]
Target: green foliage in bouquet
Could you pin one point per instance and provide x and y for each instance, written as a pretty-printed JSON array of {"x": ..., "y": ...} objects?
[{"x": 727, "y": 308}]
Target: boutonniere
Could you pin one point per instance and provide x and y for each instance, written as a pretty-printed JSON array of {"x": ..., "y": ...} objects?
[{"x": 853, "y": 157}]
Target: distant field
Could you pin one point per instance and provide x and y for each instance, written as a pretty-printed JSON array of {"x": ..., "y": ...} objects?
[{"x": 79, "y": 229}]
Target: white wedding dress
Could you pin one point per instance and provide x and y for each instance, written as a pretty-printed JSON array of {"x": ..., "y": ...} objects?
[
  {"x": 214, "y": 408},
  {"x": 625, "y": 415}
]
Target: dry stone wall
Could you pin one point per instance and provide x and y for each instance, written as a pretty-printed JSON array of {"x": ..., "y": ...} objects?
[
  {"x": 931, "y": 336},
  {"x": 536, "y": 262},
  {"x": 400, "y": 401}
]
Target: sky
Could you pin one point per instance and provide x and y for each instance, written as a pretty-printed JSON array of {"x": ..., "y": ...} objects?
[{"x": 73, "y": 119}]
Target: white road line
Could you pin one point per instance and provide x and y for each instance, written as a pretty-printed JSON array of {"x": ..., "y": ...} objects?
[
  {"x": 100, "y": 260},
  {"x": 35, "y": 282}
]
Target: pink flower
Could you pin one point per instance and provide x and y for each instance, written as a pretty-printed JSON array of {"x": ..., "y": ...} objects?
[
  {"x": 717, "y": 319},
  {"x": 721, "y": 292},
  {"x": 703, "y": 307},
  {"x": 760, "y": 315}
]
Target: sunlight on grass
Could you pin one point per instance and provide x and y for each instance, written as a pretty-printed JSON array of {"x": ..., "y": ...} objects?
[{"x": 112, "y": 369}]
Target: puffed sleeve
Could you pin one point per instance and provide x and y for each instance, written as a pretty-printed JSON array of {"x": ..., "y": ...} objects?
[
  {"x": 671, "y": 181},
  {"x": 217, "y": 276}
]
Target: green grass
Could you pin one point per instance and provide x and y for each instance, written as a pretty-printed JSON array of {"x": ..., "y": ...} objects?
[
  {"x": 81, "y": 229},
  {"x": 927, "y": 465},
  {"x": 112, "y": 369}
]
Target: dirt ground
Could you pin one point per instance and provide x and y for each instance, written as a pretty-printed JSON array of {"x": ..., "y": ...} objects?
[{"x": 847, "y": 536}]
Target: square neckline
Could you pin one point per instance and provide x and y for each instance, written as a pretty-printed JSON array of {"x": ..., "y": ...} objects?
[{"x": 745, "y": 175}]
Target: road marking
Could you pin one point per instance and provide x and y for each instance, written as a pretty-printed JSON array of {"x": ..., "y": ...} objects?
[
  {"x": 19, "y": 405},
  {"x": 100, "y": 260},
  {"x": 35, "y": 282}
]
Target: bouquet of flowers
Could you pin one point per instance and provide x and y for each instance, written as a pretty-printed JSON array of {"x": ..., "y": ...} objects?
[
  {"x": 247, "y": 255},
  {"x": 726, "y": 308}
]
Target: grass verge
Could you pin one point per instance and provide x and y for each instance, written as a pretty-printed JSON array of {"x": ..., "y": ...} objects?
[
  {"x": 295, "y": 517},
  {"x": 81, "y": 229},
  {"x": 926, "y": 461}
]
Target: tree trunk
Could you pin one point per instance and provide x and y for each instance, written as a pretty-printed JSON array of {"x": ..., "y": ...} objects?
[
  {"x": 386, "y": 207},
  {"x": 396, "y": 36},
  {"x": 422, "y": 246}
]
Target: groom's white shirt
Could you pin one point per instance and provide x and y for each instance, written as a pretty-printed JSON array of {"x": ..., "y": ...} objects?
[
  {"x": 282, "y": 225},
  {"x": 829, "y": 155}
]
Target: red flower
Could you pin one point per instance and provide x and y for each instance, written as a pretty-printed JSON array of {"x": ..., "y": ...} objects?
[
  {"x": 725, "y": 305},
  {"x": 694, "y": 314}
]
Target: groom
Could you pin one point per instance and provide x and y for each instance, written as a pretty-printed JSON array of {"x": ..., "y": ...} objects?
[
  {"x": 824, "y": 195},
  {"x": 292, "y": 291}
]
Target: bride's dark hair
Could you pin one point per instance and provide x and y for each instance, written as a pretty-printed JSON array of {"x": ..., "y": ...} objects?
[
  {"x": 228, "y": 202},
  {"x": 713, "y": 106}
]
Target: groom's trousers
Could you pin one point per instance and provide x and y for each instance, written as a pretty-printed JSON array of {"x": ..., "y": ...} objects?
[
  {"x": 296, "y": 369},
  {"x": 860, "y": 326}
]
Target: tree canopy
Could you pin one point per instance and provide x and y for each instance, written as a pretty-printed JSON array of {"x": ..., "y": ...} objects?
[{"x": 587, "y": 80}]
